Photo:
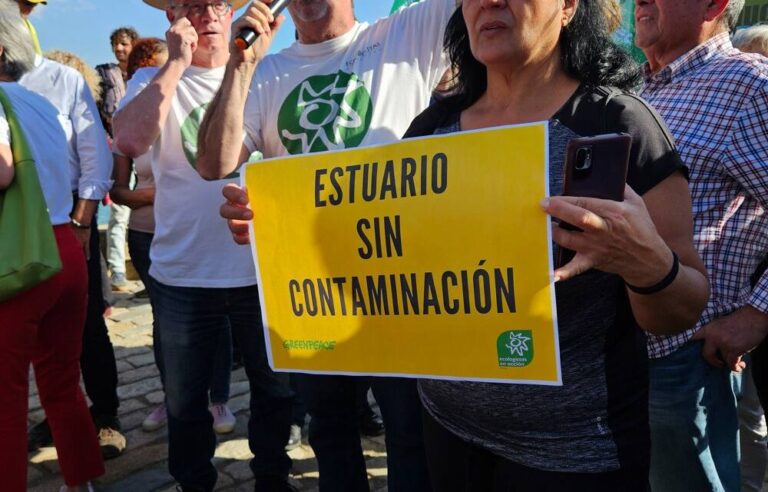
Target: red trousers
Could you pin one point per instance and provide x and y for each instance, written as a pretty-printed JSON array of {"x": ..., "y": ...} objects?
[{"x": 44, "y": 326}]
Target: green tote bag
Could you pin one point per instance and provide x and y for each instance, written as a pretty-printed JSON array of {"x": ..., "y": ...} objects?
[{"x": 28, "y": 250}]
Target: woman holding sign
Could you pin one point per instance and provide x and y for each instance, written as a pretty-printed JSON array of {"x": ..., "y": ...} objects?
[{"x": 635, "y": 268}]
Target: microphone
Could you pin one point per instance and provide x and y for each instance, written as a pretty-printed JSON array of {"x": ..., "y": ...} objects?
[{"x": 246, "y": 37}]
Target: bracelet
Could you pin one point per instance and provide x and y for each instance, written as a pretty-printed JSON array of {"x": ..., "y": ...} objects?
[
  {"x": 661, "y": 284},
  {"x": 79, "y": 225}
]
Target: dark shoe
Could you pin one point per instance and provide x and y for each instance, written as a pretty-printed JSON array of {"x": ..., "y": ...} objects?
[
  {"x": 112, "y": 443},
  {"x": 142, "y": 294},
  {"x": 273, "y": 484},
  {"x": 294, "y": 439},
  {"x": 39, "y": 436},
  {"x": 370, "y": 424}
]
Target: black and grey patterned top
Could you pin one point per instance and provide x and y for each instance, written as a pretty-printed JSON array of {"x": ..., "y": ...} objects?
[{"x": 597, "y": 421}]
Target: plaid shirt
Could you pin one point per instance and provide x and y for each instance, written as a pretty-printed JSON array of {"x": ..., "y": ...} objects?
[{"x": 714, "y": 100}]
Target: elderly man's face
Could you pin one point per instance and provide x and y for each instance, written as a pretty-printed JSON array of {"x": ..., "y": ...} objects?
[
  {"x": 315, "y": 10},
  {"x": 663, "y": 25},
  {"x": 212, "y": 28}
]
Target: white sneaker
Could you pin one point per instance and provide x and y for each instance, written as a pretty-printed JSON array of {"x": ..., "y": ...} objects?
[
  {"x": 156, "y": 419},
  {"x": 223, "y": 419},
  {"x": 83, "y": 488}
]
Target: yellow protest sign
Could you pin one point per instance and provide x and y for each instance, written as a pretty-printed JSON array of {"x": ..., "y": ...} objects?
[{"x": 425, "y": 258}]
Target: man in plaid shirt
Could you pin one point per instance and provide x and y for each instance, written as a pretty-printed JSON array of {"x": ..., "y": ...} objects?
[{"x": 715, "y": 101}]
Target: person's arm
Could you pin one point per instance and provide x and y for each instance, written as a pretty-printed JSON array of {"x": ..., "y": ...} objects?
[
  {"x": 137, "y": 125},
  {"x": 6, "y": 166},
  {"x": 635, "y": 240},
  {"x": 121, "y": 192},
  {"x": 220, "y": 138},
  {"x": 90, "y": 143},
  {"x": 728, "y": 338}
]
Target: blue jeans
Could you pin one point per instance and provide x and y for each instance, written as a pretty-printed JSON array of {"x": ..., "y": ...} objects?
[
  {"x": 694, "y": 424},
  {"x": 333, "y": 434},
  {"x": 190, "y": 322},
  {"x": 138, "y": 246}
]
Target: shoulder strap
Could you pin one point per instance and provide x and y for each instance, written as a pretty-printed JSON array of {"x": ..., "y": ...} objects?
[
  {"x": 608, "y": 94},
  {"x": 19, "y": 145}
]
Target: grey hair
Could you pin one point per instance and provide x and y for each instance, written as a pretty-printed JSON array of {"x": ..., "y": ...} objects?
[
  {"x": 752, "y": 39},
  {"x": 18, "y": 53},
  {"x": 730, "y": 16}
]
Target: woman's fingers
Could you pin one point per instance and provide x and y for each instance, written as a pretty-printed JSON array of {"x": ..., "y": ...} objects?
[
  {"x": 578, "y": 265},
  {"x": 576, "y": 212}
]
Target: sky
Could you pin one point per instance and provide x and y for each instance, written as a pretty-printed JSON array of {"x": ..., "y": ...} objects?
[{"x": 83, "y": 26}]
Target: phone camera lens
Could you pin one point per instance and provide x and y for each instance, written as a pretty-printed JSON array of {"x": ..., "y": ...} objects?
[{"x": 583, "y": 159}]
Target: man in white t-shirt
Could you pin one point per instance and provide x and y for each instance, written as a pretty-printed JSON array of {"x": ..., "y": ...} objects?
[
  {"x": 201, "y": 282},
  {"x": 343, "y": 84}
]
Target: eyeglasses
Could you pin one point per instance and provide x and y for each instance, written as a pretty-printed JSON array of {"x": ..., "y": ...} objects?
[{"x": 220, "y": 8}]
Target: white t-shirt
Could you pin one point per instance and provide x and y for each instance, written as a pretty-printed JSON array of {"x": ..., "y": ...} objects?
[
  {"x": 39, "y": 120},
  {"x": 192, "y": 246},
  {"x": 362, "y": 88}
]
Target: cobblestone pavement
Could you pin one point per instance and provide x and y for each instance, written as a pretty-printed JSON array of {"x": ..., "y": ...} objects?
[{"x": 143, "y": 466}]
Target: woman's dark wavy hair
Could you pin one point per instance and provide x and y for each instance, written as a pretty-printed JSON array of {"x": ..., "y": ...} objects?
[{"x": 587, "y": 52}]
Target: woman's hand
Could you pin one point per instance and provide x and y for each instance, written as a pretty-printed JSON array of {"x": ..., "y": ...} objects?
[{"x": 615, "y": 237}]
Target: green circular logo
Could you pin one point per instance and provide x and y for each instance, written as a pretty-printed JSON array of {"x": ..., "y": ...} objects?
[
  {"x": 325, "y": 112},
  {"x": 189, "y": 131}
]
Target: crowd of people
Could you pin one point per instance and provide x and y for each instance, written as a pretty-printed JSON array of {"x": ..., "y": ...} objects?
[{"x": 662, "y": 311}]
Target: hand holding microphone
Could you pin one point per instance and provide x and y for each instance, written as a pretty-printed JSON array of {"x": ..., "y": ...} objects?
[{"x": 247, "y": 36}]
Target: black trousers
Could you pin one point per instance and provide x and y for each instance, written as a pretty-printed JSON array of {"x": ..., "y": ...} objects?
[
  {"x": 458, "y": 466},
  {"x": 97, "y": 361},
  {"x": 760, "y": 372}
]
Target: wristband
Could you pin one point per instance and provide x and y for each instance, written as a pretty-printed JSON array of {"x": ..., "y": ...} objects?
[
  {"x": 79, "y": 225},
  {"x": 663, "y": 283}
]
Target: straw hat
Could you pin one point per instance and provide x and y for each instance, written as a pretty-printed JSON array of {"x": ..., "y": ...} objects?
[{"x": 163, "y": 4}]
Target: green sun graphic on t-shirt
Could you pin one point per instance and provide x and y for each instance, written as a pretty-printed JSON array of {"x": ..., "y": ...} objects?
[
  {"x": 189, "y": 129},
  {"x": 325, "y": 112}
]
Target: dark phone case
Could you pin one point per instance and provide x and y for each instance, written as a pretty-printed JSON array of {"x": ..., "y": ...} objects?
[{"x": 606, "y": 177}]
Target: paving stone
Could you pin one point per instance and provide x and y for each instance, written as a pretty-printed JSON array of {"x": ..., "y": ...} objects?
[
  {"x": 33, "y": 402},
  {"x": 122, "y": 352},
  {"x": 239, "y": 403},
  {"x": 156, "y": 397},
  {"x": 122, "y": 366},
  {"x": 130, "y": 314},
  {"x": 154, "y": 478},
  {"x": 34, "y": 475},
  {"x": 239, "y": 375},
  {"x": 36, "y": 416},
  {"x": 238, "y": 388},
  {"x": 122, "y": 328},
  {"x": 130, "y": 421},
  {"x": 138, "y": 340},
  {"x": 131, "y": 463},
  {"x": 234, "y": 449},
  {"x": 138, "y": 388},
  {"x": 128, "y": 406},
  {"x": 142, "y": 372},
  {"x": 239, "y": 470},
  {"x": 138, "y": 438}
]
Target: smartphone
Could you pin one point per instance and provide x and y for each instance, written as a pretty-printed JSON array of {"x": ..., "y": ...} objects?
[{"x": 595, "y": 167}]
